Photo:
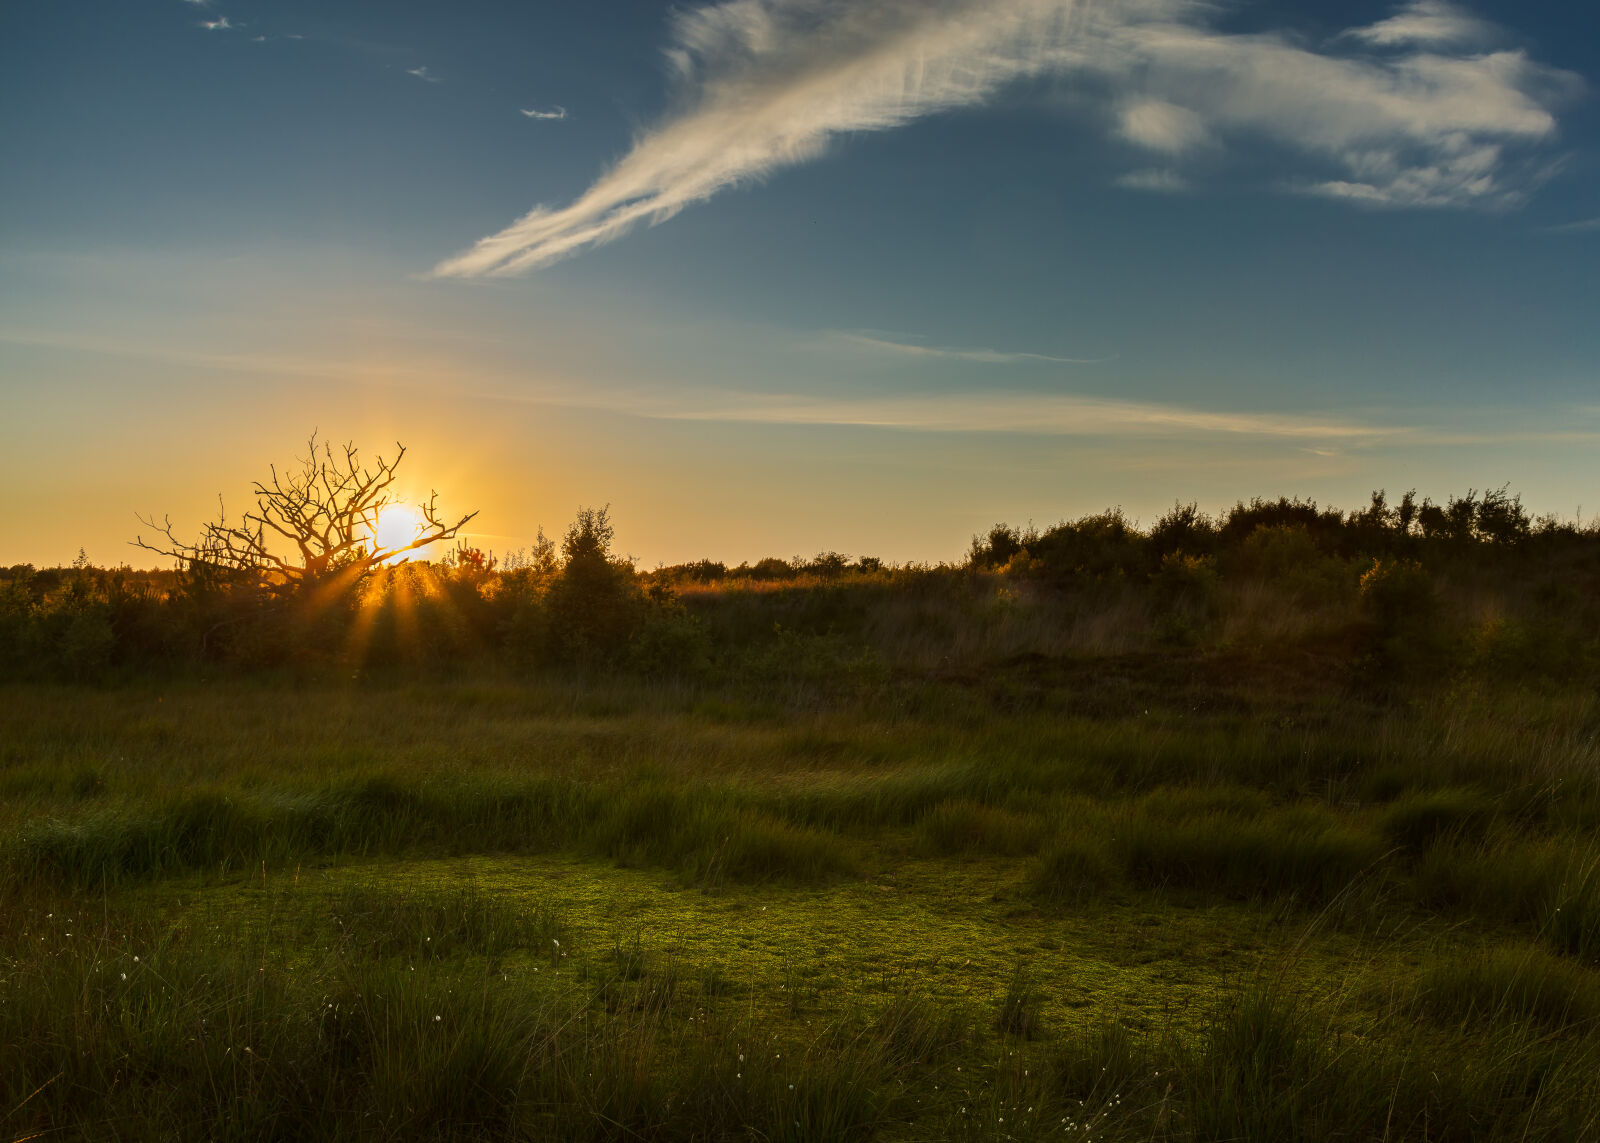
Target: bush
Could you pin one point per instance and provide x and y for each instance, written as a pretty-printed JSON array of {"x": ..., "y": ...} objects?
[
  {"x": 1100, "y": 547},
  {"x": 1184, "y": 579},
  {"x": 670, "y": 641},
  {"x": 1398, "y": 595}
]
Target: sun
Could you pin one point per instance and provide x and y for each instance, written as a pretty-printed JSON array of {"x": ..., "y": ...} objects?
[{"x": 398, "y": 525}]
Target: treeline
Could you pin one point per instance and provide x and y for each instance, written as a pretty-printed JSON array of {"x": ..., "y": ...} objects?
[{"x": 1411, "y": 587}]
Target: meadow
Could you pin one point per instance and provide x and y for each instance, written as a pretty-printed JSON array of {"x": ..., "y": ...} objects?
[{"x": 1283, "y": 832}]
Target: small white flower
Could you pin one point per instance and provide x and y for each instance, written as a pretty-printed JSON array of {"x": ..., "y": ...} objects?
[{"x": 436, "y": 1019}]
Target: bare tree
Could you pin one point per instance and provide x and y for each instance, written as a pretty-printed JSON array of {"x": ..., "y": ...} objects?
[{"x": 323, "y": 518}]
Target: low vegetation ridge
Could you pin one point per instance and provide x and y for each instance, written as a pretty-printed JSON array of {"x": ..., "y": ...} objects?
[{"x": 1388, "y": 588}]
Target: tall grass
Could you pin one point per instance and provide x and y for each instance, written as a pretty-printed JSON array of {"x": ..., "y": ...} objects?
[{"x": 1097, "y": 805}]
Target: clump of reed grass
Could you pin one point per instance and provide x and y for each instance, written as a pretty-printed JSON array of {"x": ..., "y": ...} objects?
[
  {"x": 441, "y": 923},
  {"x": 917, "y": 1030},
  {"x": 1020, "y": 1010},
  {"x": 706, "y": 832},
  {"x": 1418, "y": 820},
  {"x": 968, "y": 827},
  {"x": 1516, "y": 983},
  {"x": 1306, "y": 854},
  {"x": 1073, "y": 869}
]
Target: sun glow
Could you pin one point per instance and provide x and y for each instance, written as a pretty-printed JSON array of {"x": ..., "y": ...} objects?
[{"x": 398, "y": 525}]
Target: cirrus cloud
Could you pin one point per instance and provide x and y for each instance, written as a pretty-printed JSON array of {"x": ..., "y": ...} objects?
[{"x": 1403, "y": 113}]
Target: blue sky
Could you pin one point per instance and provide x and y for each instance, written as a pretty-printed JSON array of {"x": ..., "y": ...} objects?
[{"x": 773, "y": 276}]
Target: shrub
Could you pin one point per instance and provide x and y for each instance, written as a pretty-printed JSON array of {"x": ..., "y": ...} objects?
[
  {"x": 1104, "y": 546},
  {"x": 1184, "y": 579},
  {"x": 1184, "y": 529},
  {"x": 1275, "y": 552},
  {"x": 999, "y": 546},
  {"x": 1397, "y": 594},
  {"x": 670, "y": 641}
]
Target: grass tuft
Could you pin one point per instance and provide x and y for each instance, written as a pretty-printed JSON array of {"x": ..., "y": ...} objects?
[{"x": 1514, "y": 983}]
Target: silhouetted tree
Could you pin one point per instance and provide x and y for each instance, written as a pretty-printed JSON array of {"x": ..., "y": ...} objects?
[
  {"x": 307, "y": 524},
  {"x": 595, "y": 605}
]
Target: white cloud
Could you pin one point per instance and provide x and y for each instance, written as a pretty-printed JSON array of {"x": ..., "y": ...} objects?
[
  {"x": 220, "y": 24},
  {"x": 1154, "y": 179},
  {"x": 880, "y": 343},
  {"x": 1578, "y": 227},
  {"x": 1041, "y": 413},
  {"x": 1431, "y": 23},
  {"x": 1161, "y": 126},
  {"x": 423, "y": 74},
  {"x": 766, "y": 84},
  {"x": 556, "y": 112}
]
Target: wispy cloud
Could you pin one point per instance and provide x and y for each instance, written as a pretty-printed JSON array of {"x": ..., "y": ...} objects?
[
  {"x": 882, "y": 343},
  {"x": 423, "y": 74},
  {"x": 1385, "y": 115},
  {"x": 220, "y": 24},
  {"x": 556, "y": 112},
  {"x": 1433, "y": 23},
  {"x": 1583, "y": 224},
  {"x": 1047, "y": 414},
  {"x": 993, "y": 411},
  {"x": 1154, "y": 179},
  {"x": 1073, "y": 415},
  {"x": 1161, "y": 126}
]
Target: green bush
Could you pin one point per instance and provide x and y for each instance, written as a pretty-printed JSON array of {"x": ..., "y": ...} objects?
[{"x": 1398, "y": 595}]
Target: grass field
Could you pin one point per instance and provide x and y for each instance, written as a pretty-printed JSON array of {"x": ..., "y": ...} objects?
[{"x": 1183, "y": 896}]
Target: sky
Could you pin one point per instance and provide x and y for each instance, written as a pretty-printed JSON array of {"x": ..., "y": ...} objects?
[{"x": 773, "y": 277}]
